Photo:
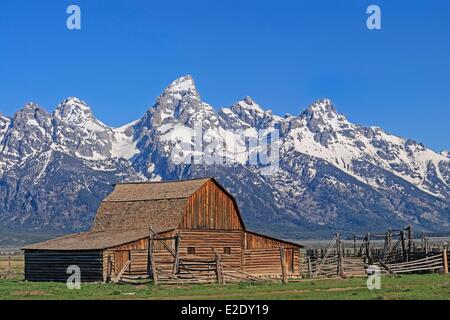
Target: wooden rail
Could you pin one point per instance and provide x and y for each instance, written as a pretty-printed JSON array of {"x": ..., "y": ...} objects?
[
  {"x": 119, "y": 276},
  {"x": 434, "y": 263}
]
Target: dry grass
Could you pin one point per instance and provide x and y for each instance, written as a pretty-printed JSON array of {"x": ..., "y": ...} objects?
[{"x": 11, "y": 267}]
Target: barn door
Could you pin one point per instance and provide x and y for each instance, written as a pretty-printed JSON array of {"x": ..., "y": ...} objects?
[
  {"x": 289, "y": 253},
  {"x": 120, "y": 258}
]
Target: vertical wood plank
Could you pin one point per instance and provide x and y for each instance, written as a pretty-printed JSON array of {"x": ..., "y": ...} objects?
[
  {"x": 445, "y": 260},
  {"x": 283, "y": 265}
]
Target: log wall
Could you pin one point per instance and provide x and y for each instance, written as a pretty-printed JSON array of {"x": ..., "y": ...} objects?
[
  {"x": 262, "y": 259},
  {"x": 267, "y": 262},
  {"x": 208, "y": 242},
  {"x": 41, "y": 265}
]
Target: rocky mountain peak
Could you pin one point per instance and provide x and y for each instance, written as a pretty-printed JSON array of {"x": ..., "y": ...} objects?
[
  {"x": 3, "y": 119},
  {"x": 74, "y": 111},
  {"x": 4, "y": 125},
  {"x": 247, "y": 104},
  {"x": 183, "y": 86},
  {"x": 445, "y": 153},
  {"x": 322, "y": 116},
  {"x": 180, "y": 103},
  {"x": 247, "y": 113},
  {"x": 321, "y": 107},
  {"x": 31, "y": 115}
]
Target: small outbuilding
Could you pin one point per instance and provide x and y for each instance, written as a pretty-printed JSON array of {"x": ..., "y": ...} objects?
[{"x": 179, "y": 229}]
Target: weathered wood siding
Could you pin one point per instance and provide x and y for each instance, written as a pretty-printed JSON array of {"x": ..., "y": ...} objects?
[
  {"x": 256, "y": 241},
  {"x": 267, "y": 262},
  {"x": 41, "y": 265},
  {"x": 138, "y": 254},
  {"x": 209, "y": 242},
  {"x": 205, "y": 242},
  {"x": 210, "y": 208}
]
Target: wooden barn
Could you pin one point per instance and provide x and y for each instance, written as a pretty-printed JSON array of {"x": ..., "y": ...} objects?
[{"x": 188, "y": 230}]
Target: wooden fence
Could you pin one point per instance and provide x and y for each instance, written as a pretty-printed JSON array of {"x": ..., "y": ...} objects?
[
  {"x": 333, "y": 262},
  {"x": 437, "y": 262},
  {"x": 11, "y": 266}
]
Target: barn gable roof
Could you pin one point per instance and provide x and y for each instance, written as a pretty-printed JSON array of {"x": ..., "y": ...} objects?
[
  {"x": 93, "y": 240},
  {"x": 140, "y": 205},
  {"x": 144, "y": 191}
]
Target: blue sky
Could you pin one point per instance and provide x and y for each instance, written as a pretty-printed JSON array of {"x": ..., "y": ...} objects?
[{"x": 285, "y": 54}]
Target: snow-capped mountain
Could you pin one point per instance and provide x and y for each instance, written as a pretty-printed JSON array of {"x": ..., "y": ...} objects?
[{"x": 330, "y": 173}]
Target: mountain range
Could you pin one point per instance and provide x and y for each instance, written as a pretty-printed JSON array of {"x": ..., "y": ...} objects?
[{"x": 331, "y": 174}]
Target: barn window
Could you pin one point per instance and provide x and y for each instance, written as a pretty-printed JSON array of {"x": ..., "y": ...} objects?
[
  {"x": 191, "y": 250},
  {"x": 227, "y": 250}
]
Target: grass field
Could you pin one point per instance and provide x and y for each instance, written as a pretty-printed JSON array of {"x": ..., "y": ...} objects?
[
  {"x": 430, "y": 286},
  {"x": 427, "y": 286}
]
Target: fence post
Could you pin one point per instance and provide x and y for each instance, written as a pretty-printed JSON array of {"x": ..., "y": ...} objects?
[
  {"x": 368, "y": 250},
  {"x": 9, "y": 266},
  {"x": 410, "y": 242},
  {"x": 308, "y": 259},
  {"x": 176, "y": 261},
  {"x": 220, "y": 279},
  {"x": 151, "y": 260},
  {"x": 339, "y": 249},
  {"x": 445, "y": 261},
  {"x": 402, "y": 239},
  {"x": 283, "y": 265},
  {"x": 109, "y": 269}
]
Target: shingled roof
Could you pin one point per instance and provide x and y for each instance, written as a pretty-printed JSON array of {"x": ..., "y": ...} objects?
[
  {"x": 139, "y": 205},
  {"x": 93, "y": 240},
  {"x": 125, "y": 192}
]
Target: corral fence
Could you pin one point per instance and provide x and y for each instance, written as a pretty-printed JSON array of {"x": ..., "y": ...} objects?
[
  {"x": 400, "y": 253},
  {"x": 167, "y": 267}
]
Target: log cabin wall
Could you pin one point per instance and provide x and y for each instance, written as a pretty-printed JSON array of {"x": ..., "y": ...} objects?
[
  {"x": 211, "y": 208},
  {"x": 138, "y": 252},
  {"x": 46, "y": 265},
  {"x": 262, "y": 255},
  {"x": 249, "y": 252},
  {"x": 267, "y": 262},
  {"x": 206, "y": 243}
]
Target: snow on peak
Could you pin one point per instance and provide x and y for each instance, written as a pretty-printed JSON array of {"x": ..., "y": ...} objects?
[
  {"x": 182, "y": 85},
  {"x": 4, "y": 124},
  {"x": 3, "y": 118},
  {"x": 31, "y": 114},
  {"x": 74, "y": 111},
  {"x": 445, "y": 153},
  {"x": 75, "y": 101},
  {"x": 322, "y": 112},
  {"x": 322, "y": 106},
  {"x": 30, "y": 106},
  {"x": 249, "y": 104}
]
